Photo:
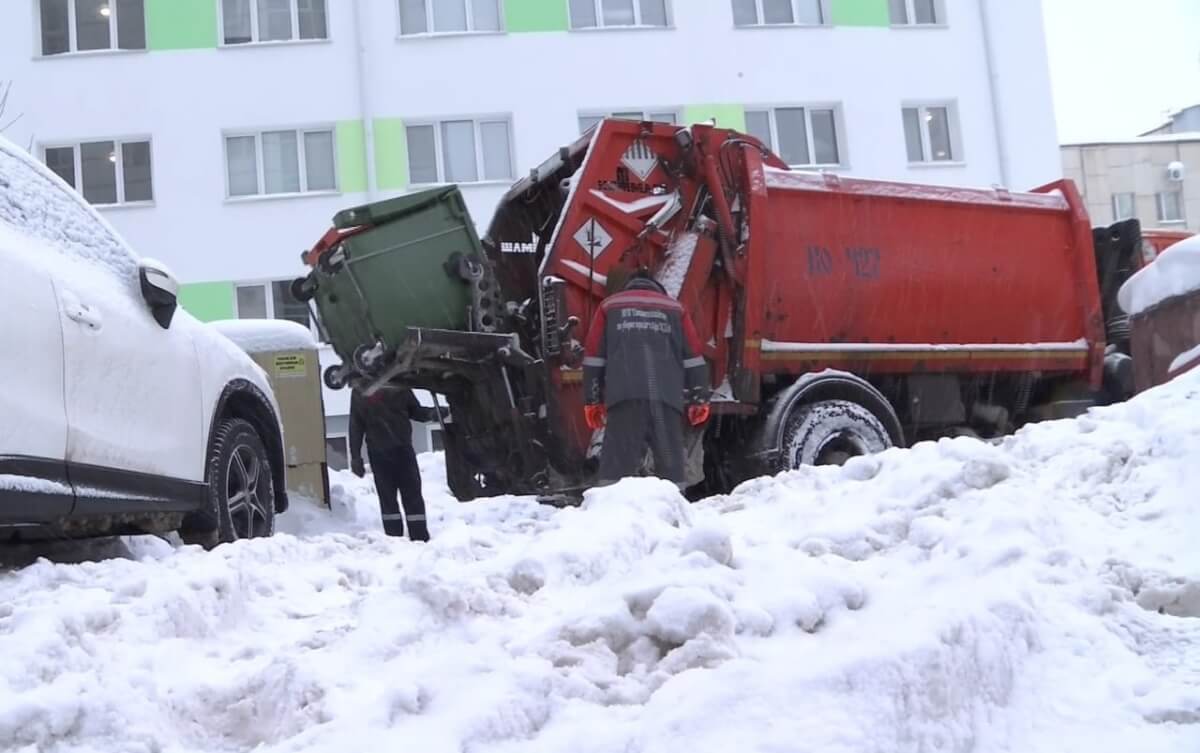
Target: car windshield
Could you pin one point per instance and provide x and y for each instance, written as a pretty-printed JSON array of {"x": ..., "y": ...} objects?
[{"x": 34, "y": 203}]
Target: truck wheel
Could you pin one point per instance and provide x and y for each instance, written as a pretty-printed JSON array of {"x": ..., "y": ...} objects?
[
  {"x": 830, "y": 433},
  {"x": 241, "y": 492}
]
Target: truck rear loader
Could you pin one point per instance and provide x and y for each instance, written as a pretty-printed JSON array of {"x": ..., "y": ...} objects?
[{"x": 840, "y": 316}]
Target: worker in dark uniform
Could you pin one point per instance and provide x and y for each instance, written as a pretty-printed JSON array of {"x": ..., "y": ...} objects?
[
  {"x": 642, "y": 367},
  {"x": 385, "y": 418}
]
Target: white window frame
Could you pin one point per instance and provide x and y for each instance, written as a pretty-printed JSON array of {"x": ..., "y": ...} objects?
[
  {"x": 72, "y": 32},
  {"x": 637, "y": 18},
  {"x": 1162, "y": 214},
  {"x": 266, "y": 285},
  {"x": 839, "y": 128},
  {"x": 910, "y": 11},
  {"x": 1116, "y": 206},
  {"x": 300, "y": 132},
  {"x": 957, "y": 154},
  {"x": 822, "y": 6},
  {"x": 254, "y": 32},
  {"x": 646, "y": 112},
  {"x": 430, "y": 32},
  {"x": 118, "y": 149},
  {"x": 439, "y": 156}
]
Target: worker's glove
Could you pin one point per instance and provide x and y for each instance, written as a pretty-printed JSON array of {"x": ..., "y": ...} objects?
[
  {"x": 595, "y": 415},
  {"x": 698, "y": 414},
  {"x": 357, "y": 467}
]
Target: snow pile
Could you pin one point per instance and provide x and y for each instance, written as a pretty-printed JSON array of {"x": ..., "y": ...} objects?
[
  {"x": 1040, "y": 595},
  {"x": 1175, "y": 272},
  {"x": 266, "y": 335}
]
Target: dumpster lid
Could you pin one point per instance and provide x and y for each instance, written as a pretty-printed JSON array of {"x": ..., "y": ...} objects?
[
  {"x": 390, "y": 209},
  {"x": 266, "y": 335}
]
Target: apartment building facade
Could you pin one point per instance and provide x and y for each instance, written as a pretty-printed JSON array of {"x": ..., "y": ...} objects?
[{"x": 222, "y": 135}]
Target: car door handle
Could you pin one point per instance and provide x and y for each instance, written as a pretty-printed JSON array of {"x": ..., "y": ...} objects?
[{"x": 84, "y": 314}]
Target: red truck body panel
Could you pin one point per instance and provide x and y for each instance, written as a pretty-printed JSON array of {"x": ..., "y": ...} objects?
[{"x": 903, "y": 277}]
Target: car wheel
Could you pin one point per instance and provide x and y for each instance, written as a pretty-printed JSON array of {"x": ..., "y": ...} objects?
[
  {"x": 830, "y": 433},
  {"x": 241, "y": 490}
]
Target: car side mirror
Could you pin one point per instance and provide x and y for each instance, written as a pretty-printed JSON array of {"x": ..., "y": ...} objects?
[{"x": 160, "y": 290}]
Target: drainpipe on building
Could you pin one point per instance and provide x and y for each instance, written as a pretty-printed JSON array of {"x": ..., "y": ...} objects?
[
  {"x": 993, "y": 91},
  {"x": 364, "y": 98}
]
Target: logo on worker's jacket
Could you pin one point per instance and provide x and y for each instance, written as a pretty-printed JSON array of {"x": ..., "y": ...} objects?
[
  {"x": 593, "y": 237},
  {"x": 640, "y": 159}
]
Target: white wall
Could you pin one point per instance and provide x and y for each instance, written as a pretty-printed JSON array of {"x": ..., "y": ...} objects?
[{"x": 185, "y": 99}]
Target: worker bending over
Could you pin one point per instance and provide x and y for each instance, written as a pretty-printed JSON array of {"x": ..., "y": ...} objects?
[
  {"x": 385, "y": 418},
  {"x": 642, "y": 366}
]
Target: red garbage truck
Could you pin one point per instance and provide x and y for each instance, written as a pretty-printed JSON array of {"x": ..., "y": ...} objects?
[{"x": 840, "y": 316}]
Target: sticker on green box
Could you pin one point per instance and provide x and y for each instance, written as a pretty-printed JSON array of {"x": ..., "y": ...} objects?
[{"x": 291, "y": 366}]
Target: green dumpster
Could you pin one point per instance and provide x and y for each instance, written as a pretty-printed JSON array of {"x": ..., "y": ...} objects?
[{"x": 400, "y": 263}]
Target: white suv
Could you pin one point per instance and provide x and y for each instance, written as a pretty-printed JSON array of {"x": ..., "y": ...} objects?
[{"x": 118, "y": 413}]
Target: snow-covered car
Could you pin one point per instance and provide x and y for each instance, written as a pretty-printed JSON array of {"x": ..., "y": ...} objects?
[{"x": 119, "y": 414}]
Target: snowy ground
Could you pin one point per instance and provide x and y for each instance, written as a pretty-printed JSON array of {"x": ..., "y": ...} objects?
[{"x": 1041, "y": 595}]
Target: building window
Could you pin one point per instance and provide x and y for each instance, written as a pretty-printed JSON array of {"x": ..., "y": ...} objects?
[
  {"x": 1170, "y": 207},
  {"x": 931, "y": 133},
  {"x": 663, "y": 115},
  {"x": 460, "y": 151},
  {"x": 271, "y": 300},
  {"x": 89, "y": 25},
  {"x": 801, "y": 136},
  {"x": 779, "y": 13},
  {"x": 337, "y": 452},
  {"x": 1124, "y": 206},
  {"x": 603, "y": 14},
  {"x": 105, "y": 172},
  {"x": 280, "y": 162},
  {"x": 250, "y": 21},
  {"x": 449, "y": 16},
  {"x": 917, "y": 12}
]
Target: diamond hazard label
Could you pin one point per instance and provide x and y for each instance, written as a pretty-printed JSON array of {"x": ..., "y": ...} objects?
[
  {"x": 593, "y": 237},
  {"x": 640, "y": 159}
]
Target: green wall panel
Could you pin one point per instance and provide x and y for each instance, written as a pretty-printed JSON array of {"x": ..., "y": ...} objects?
[
  {"x": 860, "y": 13},
  {"x": 352, "y": 156},
  {"x": 208, "y": 301},
  {"x": 535, "y": 15},
  {"x": 728, "y": 116},
  {"x": 391, "y": 154},
  {"x": 181, "y": 24}
]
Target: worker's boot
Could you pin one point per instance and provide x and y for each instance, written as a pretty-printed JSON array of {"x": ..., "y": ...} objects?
[
  {"x": 394, "y": 527},
  {"x": 417, "y": 530}
]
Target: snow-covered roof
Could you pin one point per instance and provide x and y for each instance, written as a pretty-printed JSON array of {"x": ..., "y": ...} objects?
[
  {"x": 38, "y": 204},
  {"x": 1165, "y": 138},
  {"x": 266, "y": 335},
  {"x": 1176, "y": 271}
]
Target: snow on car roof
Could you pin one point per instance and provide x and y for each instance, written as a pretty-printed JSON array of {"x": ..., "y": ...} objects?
[
  {"x": 265, "y": 335},
  {"x": 1175, "y": 272},
  {"x": 37, "y": 203}
]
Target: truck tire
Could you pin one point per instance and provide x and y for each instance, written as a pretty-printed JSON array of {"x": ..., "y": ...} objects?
[
  {"x": 241, "y": 492},
  {"x": 830, "y": 433}
]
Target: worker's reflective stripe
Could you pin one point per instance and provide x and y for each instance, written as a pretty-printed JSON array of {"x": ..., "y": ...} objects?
[
  {"x": 393, "y": 516},
  {"x": 694, "y": 363},
  {"x": 593, "y": 361},
  {"x": 416, "y": 518}
]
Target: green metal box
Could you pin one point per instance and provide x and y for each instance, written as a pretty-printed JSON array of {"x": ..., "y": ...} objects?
[{"x": 398, "y": 267}]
